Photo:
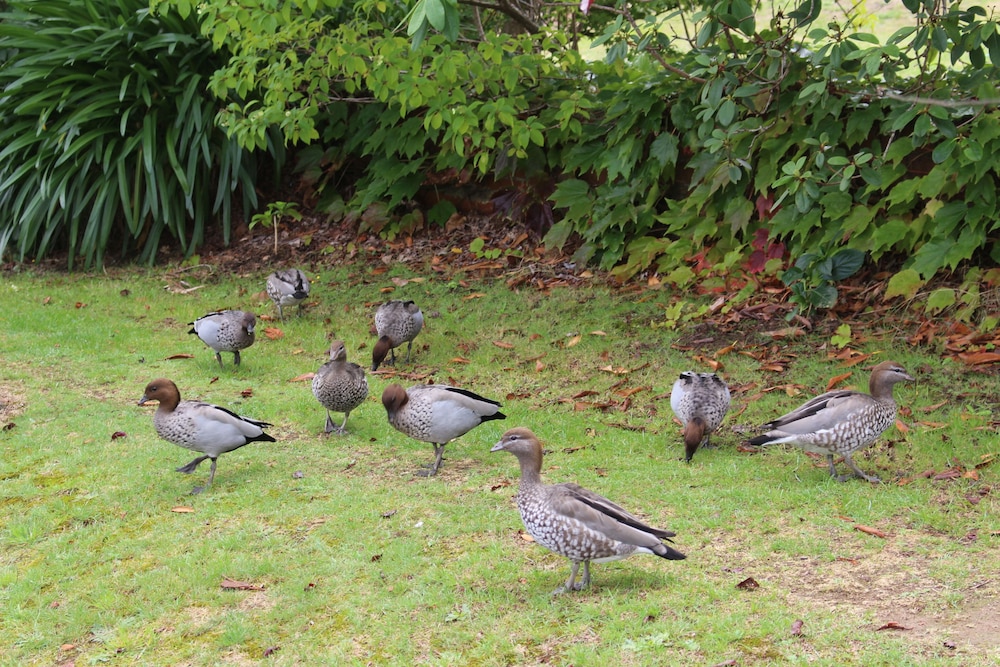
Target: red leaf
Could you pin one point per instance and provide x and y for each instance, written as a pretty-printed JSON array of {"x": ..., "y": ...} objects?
[
  {"x": 118, "y": 434},
  {"x": 892, "y": 625},
  {"x": 797, "y": 628},
  {"x": 748, "y": 584}
]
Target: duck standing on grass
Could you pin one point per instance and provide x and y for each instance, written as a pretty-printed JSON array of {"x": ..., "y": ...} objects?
[
  {"x": 288, "y": 287},
  {"x": 201, "y": 427},
  {"x": 396, "y": 322},
  {"x": 339, "y": 385},
  {"x": 841, "y": 422},
  {"x": 574, "y": 522},
  {"x": 700, "y": 401},
  {"x": 226, "y": 331},
  {"x": 437, "y": 413}
]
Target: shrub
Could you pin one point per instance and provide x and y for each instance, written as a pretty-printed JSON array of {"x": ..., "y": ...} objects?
[{"x": 108, "y": 132}]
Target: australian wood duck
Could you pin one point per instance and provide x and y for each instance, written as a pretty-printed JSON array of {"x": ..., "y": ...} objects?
[
  {"x": 339, "y": 385},
  {"x": 700, "y": 401},
  {"x": 840, "y": 422},
  {"x": 288, "y": 287},
  {"x": 574, "y": 522},
  {"x": 201, "y": 427},
  {"x": 437, "y": 413},
  {"x": 396, "y": 322},
  {"x": 226, "y": 331}
]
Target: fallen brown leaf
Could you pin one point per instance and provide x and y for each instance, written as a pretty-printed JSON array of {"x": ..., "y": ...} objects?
[
  {"x": 460, "y": 360},
  {"x": 182, "y": 509},
  {"x": 837, "y": 379},
  {"x": 868, "y": 530},
  {"x": 979, "y": 358},
  {"x": 573, "y": 341},
  {"x": 539, "y": 366},
  {"x": 303, "y": 378},
  {"x": 180, "y": 356},
  {"x": 234, "y": 585},
  {"x": 748, "y": 584},
  {"x": 985, "y": 460},
  {"x": 504, "y": 345},
  {"x": 119, "y": 434},
  {"x": 273, "y": 333},
  {"x": 797, "y": 628}
]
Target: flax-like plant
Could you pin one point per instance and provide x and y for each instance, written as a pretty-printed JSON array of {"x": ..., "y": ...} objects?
[{"x": 107, "y": 132}]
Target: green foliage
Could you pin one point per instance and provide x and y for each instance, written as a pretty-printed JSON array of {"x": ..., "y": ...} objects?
[
  {"x": 108, "y": 132},
  {"x": 812, "y": 279},
  {"x": 273, "y": 214},
  {"x": 672, "y": 145}
]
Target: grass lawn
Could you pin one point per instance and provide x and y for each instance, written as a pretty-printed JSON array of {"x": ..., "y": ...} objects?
[{"x": 330, "y": 550}]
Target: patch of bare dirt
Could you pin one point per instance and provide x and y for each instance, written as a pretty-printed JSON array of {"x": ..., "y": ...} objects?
[
  {"x": 12, "y": 404},
  {"x": 895, "y": 590}
]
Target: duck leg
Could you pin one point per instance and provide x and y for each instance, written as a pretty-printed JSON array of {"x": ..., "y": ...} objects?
[
  {"x": 236, "y": 358},
  {"x": 329, "y": 423},
  {"x": 438, "y": 458},
  {"x": 211, "y": 476},
  {"x": 571, "y": 584},
  {"x": 218, "y": 357},
  {"x": 833, "y": 468},
  {"x": 191, "y": 467},
  {"x": 857, "y": 471}
]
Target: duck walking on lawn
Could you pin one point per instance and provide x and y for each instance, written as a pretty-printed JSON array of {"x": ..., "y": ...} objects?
[
  {"x": 841, "y": 422},
  {"x": 339, "y": 385},
  {"x": 201, "y": 427},
  {"x": 437, "y": 413},
  {"x": 288, "y": 287},
  {"x": 700, "y": 401},
  {"x": 574, "y": 522},
  {"x": 226, "y": 331},
  {"x": 396, "y": 322}
]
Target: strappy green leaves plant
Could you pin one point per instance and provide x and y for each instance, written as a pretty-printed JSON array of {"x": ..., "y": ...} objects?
[{"x": 108, "y": 135}]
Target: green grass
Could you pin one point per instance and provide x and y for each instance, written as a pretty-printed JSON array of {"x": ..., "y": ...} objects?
[{"x": 361, "y": 562}]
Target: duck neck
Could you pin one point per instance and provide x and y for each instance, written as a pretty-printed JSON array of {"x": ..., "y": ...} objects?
[{"x": 531, "y": 468}]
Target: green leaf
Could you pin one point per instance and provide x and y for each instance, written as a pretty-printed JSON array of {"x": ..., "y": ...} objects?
[
  {"x": 843, "y": 264},
  {"x": 435, "y": 12},
  {"x": 940, "y": 299}
]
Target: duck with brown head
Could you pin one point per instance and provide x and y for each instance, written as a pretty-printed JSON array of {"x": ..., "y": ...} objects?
[
  {"x": 396, "y": 322},
  {"x": 437, "y": 413},
  {"x": 841, "y": 422},
  {"x": 201, "y": 427},
  {"x": 576, "y": 523}
]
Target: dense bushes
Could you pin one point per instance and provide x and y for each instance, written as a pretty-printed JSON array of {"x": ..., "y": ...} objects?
[
  {"x": 671, "y": 147},
  {"x": 107, "y": 132},
  {"x": 670, "y": 153}
]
